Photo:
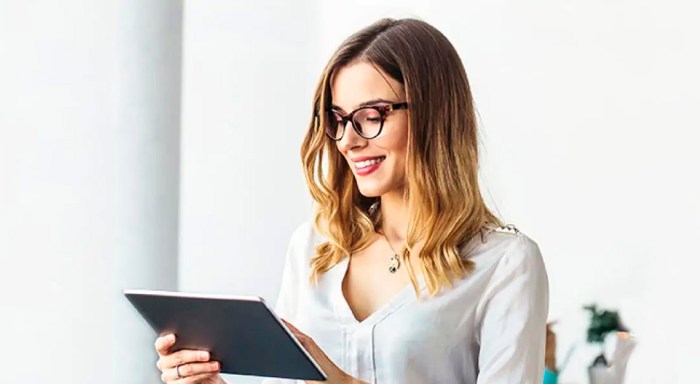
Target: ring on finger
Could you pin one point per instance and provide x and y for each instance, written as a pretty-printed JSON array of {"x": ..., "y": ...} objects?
[{"x": 177, "y": 370}]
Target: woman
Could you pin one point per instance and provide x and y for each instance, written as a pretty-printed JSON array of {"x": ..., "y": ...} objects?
[{"x": 405, "y": 275}]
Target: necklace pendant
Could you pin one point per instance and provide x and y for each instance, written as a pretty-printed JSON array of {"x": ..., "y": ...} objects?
[{"x": 394, "y": 264}]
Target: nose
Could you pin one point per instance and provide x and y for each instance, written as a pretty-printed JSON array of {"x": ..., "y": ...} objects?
[{"x": 350, "y": 140}]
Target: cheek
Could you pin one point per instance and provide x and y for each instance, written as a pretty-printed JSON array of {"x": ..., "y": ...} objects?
[
  {"x": 397, "y": 148},
  {"x": 401, "y": 153},
  {"x": 396, "y": 142},
  {"x": 402, "y": 139},
  {"x": 340, "y": 153},
  {"x": 400, "y": 148}
]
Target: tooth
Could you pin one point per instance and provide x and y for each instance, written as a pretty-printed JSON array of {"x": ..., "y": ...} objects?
[{"x": 367, "y": 163}]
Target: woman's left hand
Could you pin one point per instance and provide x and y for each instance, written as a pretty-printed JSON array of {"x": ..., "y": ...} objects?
[{"x": 335, "y": 374}]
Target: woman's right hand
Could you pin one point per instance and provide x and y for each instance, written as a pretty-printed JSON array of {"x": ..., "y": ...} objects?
[{"x": 185, "y": 366}]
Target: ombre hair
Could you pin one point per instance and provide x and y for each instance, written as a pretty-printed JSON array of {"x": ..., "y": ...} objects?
[{"x": 446, "y": 208}]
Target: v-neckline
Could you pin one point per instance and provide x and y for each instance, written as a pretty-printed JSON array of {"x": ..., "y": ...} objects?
[{"x": 344, "y": 311}]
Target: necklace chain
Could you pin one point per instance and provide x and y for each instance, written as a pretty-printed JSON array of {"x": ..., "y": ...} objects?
[{"x": 394, "y": 261}]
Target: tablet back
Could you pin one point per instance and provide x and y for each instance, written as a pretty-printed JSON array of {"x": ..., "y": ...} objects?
[{"x": 240, "y": 332}]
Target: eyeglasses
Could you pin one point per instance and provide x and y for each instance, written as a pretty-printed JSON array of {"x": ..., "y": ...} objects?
[{"x": 367, "y": 121}]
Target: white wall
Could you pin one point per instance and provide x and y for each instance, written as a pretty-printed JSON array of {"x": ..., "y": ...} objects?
[
  {"x": 248, "y": 76},
  {"x": 249, "y": 69},
  {"x": 89, "y": 148},
  {"x": 589, "y": 129}
]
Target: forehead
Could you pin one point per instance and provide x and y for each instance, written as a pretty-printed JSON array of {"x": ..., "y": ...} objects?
[{"x": 359, "y": 82}]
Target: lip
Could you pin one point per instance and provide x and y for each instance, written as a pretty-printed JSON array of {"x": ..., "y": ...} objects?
[{"x": 364, "y": 171}]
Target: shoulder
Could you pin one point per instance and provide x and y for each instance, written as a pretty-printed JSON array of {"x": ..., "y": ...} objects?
[
  {"x": 505, "y": 247},
  {"x": 303, "y": 243},
  {"x": 302, "y": 234},
  {"x": 511, "y": 266},
  {"x": 306, "y": 234}
]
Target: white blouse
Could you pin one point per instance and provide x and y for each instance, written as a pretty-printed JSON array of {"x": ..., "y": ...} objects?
[{"x": 489, "y": 328}]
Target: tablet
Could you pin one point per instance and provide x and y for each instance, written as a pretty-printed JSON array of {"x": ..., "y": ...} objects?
[{"x": 241, "y": 332}]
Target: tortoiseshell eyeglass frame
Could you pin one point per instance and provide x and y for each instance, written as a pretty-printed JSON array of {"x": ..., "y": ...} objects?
[{"x": 383, "y": 111}]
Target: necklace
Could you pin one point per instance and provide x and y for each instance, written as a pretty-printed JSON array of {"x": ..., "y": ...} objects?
[{"x": 394, "y": 262}]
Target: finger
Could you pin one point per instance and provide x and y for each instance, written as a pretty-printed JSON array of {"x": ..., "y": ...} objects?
[
  {"x": 182, "y": 357},
  {"x": 301, "y": 336},
  {"x": 164, "y": 343},
  {"x": 201, "y": 378},
  {"x": 292, "y": 327},
  {"x": 192, "y": 370}
]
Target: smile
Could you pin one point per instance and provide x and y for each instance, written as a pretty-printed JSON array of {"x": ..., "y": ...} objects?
[{"x": 368, "y": 166}]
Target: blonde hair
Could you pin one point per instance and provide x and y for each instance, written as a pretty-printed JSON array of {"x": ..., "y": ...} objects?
[{"x": 445, "y": 205}]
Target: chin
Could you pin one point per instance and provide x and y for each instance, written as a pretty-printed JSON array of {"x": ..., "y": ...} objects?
[{"x": 371, "y": 190}]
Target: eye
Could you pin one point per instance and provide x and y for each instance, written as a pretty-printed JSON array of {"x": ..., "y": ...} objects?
[{"x": 369, "y": 115}]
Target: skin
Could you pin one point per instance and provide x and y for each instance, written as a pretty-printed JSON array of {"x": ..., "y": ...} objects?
[
  {"x": 194, "y": 365},
  {"x": 367, "y": 285},
  {"x": 550, "y": 357}
]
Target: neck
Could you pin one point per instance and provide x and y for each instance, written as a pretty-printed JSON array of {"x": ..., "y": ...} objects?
[{"x": 394, "y": 217}]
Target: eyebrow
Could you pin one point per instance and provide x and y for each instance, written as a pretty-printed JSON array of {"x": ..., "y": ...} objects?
[{"x": 366, "y": 103}]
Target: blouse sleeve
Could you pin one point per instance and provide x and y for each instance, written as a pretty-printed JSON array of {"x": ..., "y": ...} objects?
[
  {"x": 287, "y": 303},
  {"x": 513, "y": 314}
]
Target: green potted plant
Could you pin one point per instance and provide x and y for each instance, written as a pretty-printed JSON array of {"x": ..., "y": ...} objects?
[
  {"x": 602, "y": 322},
  {"x": 603, "y": 370}
]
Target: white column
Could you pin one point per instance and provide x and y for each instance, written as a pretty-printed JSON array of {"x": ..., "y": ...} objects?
[{"x": 89, "y": 156}]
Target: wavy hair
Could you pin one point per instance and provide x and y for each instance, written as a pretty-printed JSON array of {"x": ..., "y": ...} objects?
[{"x": 446, "y": 208}]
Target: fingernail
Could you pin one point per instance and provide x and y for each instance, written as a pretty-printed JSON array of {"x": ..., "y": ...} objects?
[{"x": 204, "y": 355}]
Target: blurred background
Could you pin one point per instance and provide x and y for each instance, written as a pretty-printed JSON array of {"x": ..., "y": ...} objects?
[{"x": 155, "y": 144}]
